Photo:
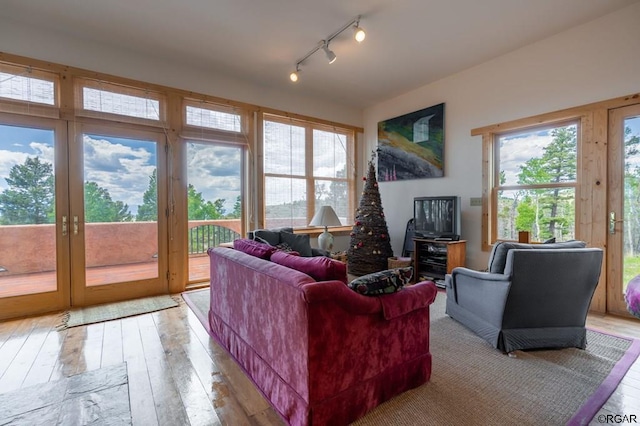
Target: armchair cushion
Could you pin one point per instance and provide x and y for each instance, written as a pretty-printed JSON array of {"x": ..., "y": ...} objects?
[
  {"x": 383, "y": 282},
  {"x": 498, "y": 256}
]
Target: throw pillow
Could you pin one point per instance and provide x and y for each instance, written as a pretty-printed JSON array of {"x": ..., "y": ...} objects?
[
  {"x": 254, "y": 248},
  {"x": 297, "y": 242},
  {"x": 267, "y": 235},
  {"x": 383, "y": 282},
  {"x": 319, "y": 268}
]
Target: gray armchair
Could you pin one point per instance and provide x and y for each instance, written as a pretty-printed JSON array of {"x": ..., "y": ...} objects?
[{"x": 539, "y": 300}]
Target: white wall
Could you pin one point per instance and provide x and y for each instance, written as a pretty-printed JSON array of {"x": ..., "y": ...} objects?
[
  {"x": 38, "y": 43},
  {"x": 592, "y": 62}
]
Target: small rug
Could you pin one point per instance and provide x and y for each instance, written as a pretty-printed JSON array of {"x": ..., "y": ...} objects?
[
  {"x": 97, "y": 397},
  {"x": 116, "y": 310},
  {"x": 473, "y": 383}
]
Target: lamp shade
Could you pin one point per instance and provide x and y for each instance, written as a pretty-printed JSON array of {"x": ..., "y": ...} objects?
[{"x": 326, "y": 216}]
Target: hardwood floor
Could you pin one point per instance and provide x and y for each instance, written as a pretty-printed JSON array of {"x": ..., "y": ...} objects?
[{"x": 177, "y": 374}]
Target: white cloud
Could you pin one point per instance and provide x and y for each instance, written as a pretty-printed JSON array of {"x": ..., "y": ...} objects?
[
  {"x": 8, "y": 159},
  {"x": 121, "y": 169},
  {"x": 516, "y": 151},
  {"x": 214, "y": 171}
]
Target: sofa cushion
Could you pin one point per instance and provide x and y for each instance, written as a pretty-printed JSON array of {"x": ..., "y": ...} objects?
[
  {"x": 297, "y": 242},
  {"x": 254, "y": 248},
  {"x": 498, "y": 256},
  {"x": 383, "y": 282},
  {"x": 319, "y": 268}
]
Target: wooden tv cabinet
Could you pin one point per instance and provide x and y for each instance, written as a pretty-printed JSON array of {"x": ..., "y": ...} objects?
[{"x": 433, "y": 258}]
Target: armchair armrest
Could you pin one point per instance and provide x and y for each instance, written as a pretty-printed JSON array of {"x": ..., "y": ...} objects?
[{"x": 481, "y": 292}]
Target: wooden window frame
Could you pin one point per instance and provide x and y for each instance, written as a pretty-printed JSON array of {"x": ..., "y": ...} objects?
[
  {"x": 591, "y": 185},
  {"x": 310, "y": 178}
]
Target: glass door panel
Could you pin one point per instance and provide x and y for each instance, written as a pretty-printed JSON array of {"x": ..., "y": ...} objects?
[
  {"x": 631, "y": 235},
  {"x": 624, "y": 216},
  {"x": 214, "y": 204},
  {"x": 117, "y": 227},
  {"x": 31, "y": 198}
]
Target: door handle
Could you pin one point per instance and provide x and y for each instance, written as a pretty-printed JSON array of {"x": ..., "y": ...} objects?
[
  {"x": 612, "y": 222},
  {"x": 64, "y": 226},
  {"x": 75, "y": 225}
]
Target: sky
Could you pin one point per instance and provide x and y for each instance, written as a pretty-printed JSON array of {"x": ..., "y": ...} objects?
[
  {"x": 123, "y": 166},
  {"x": 518, "y": 149}
]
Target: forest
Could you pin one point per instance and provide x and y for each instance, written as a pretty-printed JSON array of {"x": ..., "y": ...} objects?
[{"x": 29, "y": 199}]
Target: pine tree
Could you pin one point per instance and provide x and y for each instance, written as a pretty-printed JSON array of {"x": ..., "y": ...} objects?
[{"x": 369, "y": 248}]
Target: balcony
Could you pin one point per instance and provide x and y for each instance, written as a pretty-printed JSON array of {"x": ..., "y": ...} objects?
[{"x": 115, "y": 252}]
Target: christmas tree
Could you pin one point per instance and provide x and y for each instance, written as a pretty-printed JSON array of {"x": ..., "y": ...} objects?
[{"x": 369, "y": 248}]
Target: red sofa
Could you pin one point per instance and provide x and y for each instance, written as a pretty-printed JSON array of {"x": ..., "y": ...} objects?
[{"x": 320, "y": 353}]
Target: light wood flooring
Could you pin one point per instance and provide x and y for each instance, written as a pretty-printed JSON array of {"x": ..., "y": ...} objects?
[{"x": 177, "y": 374}]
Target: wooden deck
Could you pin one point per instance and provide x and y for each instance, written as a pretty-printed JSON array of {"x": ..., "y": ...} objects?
[{"x": 17, "y": 285}]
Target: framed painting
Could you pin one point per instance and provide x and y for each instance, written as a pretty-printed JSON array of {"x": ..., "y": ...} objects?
[{"x": 411, "y": 146}]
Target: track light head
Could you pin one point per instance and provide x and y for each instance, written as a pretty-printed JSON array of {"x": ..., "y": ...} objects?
[
  {"x": 294, "y": 76},
  {"x": 358, "y": 32},
  {"x": 330, "y": 55}
]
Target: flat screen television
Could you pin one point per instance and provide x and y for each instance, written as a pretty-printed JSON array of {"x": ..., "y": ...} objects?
[{"x": 437, "y": 217}]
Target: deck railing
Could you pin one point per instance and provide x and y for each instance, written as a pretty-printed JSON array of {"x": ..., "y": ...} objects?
[{"x": 202, "y": 237}]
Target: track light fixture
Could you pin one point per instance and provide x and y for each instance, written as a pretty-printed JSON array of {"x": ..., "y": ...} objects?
[{"x": 358, "y": 35}]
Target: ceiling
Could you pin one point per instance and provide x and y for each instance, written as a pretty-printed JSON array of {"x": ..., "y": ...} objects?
[{"x": 409, "y": 43}]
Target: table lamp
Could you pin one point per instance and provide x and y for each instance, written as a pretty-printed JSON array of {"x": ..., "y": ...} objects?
[{"x": 326, "y": 216}]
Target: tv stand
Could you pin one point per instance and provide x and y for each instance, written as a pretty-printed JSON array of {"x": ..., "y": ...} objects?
[{"x": 433, "y": 258}]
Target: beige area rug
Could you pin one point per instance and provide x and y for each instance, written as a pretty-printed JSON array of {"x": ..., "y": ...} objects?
[
  {"x": 474, "y": 384},
  {"x": 116, "y": 310}
]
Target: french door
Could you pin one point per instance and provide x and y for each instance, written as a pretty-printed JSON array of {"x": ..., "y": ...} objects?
[
  {"x": 82, "y": 214},
  {"x": 623, "y": 243},
  {"x": 34, "y": 249},
  {"x": 118, "y": 222}
]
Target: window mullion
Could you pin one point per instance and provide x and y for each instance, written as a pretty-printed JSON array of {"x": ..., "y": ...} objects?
[{"x": 311, "y": 192}]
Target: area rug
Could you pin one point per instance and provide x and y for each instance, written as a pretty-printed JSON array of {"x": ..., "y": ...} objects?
[
  {"x": 473, "y": 383},
  {"x": 111, "y": 311},
  {"x": 97, "y": 397}
]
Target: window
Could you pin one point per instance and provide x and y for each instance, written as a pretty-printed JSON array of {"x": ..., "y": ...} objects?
[
  {"x": 203, "y": 117},
  {"x": 306, "y": 165},
  {"x": 535, "y": 183},
  {"x": 23, "y": 87},
  {"x": 112, "y": 101}
]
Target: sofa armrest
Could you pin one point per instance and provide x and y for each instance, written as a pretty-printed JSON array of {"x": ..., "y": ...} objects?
[{"x": 408, "y": 299}]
